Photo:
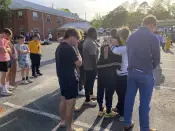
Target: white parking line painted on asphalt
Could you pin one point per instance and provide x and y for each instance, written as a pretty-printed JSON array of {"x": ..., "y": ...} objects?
[
  {"x": 169, "y": 60},
  {"x": 165, "y": 87},
  {"x": 7, "y": 122},
  {"x": 32, "y": 110},
  {"x": 169, "y": 69},
  {"x": 78, "y": 123}
]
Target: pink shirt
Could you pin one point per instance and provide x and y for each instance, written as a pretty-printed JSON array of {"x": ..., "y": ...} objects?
[{"x": 4, "y": 56}]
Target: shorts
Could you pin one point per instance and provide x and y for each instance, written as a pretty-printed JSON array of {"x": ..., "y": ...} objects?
[
  {"x": 10, "y": 63},
  {"x": 4, "y": 66},
  {"x": 23, "y": 63},
  {"x": 69, "y": 88}
]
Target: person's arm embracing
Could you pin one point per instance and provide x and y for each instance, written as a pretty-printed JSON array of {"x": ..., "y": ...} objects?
[{"x": 119, "y": 50}]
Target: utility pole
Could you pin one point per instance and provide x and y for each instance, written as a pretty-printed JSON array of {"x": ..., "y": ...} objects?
[
  {"x": 52, "y": 4},
  {"x": 85, "y": 16}
]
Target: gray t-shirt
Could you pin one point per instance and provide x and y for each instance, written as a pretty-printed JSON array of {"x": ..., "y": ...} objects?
[
  {"x": 89, "y": 48},
  {"x": 24, "y": 57}
]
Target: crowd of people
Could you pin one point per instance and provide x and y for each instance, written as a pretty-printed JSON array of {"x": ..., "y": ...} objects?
[
  {"x": 122, "y": 63},
  {"x": 12, "y": 54}
]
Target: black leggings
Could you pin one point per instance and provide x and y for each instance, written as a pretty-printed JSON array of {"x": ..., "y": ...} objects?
[
  {"x": 90, "y": 76},
  {"x": 106, "y": 85},
  {"x": 121, "y": 88},
  {"x": 35, "y": 59}
]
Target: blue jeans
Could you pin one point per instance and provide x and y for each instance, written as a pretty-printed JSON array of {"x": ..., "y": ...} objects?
[{"x": 145, "y": 83}]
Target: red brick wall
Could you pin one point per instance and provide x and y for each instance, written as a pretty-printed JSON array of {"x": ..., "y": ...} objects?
[
  {"x": 29, "y": 23},
  {"x": 19, "y": 23}
]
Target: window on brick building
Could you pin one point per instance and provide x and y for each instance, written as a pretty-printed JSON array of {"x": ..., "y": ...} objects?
[
  {"x": 48, "y": 18},
  {"x": 35, "y": 15},
  {"x": 20, "y": 15},
  {"x": 59, "y": 20},
  {"x": 35, "y": 30},
  {"x": 21, "y": 31},
  {"x": 49, "y": 31}
]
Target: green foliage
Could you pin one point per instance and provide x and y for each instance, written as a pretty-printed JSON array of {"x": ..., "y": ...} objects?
[
  {"x": 5, "y": 12},
  {"x": 65, "y": 10},
  {"x": 132, "y": 14},
  {"x": 68, "y": 11},
  {"x": 97, "y": 21},
  {"x": 116, "y": 18},
  {"x": 4, "y": 4}
]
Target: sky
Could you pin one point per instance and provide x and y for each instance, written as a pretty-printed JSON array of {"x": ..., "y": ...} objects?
[{"x": 88, "y": 7}]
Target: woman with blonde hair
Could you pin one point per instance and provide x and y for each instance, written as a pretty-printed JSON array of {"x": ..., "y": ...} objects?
[
  {"x": 107, "y": 66},
  {"x": 121, "y": 79}
]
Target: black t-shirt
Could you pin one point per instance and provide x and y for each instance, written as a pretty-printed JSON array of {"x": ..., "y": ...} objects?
[{"x": 65, "y": 61}]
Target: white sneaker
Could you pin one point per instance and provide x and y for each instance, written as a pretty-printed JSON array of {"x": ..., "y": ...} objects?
[
  {"x": 121, "y": 119},
  {"x": 29, "y": 81},
  {"x": 93, "y": 97},
  {"x": 82, "y": 92},
  {"x": 6, "y": 93},
  {"x": 90, "y": 103},
  {"x": 24, "y": 82},
  {"x": 11, "y": 88}
]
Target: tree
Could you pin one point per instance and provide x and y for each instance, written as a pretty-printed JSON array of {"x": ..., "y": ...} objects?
[
  {"x": 68, "y": 11},
  {"x": 160, "y": 12},
  {"x": 75, "y": 14},
  {"x": 135, "y": 19},
  {"x": 126, "y": 5},
  {"x": 5, "y": 12},
  {"x": 133, "y": 6},
  {"x": 116, "y": 18},
  {"x": 173, "y": 10},
  {"x": 65, "y": 10},
  {"x": 97, "y": 21},
  {"x": 143, "y": 7}
]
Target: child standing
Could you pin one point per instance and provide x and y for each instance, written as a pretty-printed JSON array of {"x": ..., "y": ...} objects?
[
  {"x": 35, "y": 55},
  {"x": 4, "y": 60},
  {"x": 23, "y": 59}
]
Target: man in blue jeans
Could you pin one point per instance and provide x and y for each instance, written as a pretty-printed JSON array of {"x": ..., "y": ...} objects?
[{"x": 143, "y": 57}]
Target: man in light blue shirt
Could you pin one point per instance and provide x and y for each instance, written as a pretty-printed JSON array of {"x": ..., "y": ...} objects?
[{"x": 143, "y": 57}]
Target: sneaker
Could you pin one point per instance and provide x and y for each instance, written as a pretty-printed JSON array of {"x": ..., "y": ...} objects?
[
  {"x": 77, "y": 109},
  {"x": 90, "y": 103},
  {"x": 29, "y": 81},
  {"x": 11, "y": 88},
  {"x": 82, "y": 92},
  {"x": 6, "y": 93},
  {"x": 115, "y": 109},
  {"x": 34, "y": 75},
  {"x": 110, "y": 115},
  {"x": 127, "y": 128},
  {"x": 78, "y": 129},
  {"x": 93, "y": 97},
  {"x": 39, "y": 74},
  {"x": 153, "y": 129},
  {"x": 101, "y": 113},
  {"x": 121, "y": 118},
  {"x": 24, "y": 82}
]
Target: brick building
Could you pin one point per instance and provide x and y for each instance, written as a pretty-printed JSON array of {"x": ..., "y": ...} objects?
[{"x": 31, "y": 17}]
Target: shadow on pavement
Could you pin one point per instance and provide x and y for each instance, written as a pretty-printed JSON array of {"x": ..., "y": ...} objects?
[
  {"x": 159, "y": 77},
  {"x": 22, "y": 120},
  {"x": 47, "y": 62},
  {"x": 170, "y": 52}
]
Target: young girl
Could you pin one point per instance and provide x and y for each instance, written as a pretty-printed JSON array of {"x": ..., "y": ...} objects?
[
  {"x": 107, "y": 65},
  {"x": 23, "y": 59},
  {"x": 121, "y": 80}
]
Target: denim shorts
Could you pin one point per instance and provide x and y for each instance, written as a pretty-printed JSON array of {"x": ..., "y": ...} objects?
[{"x": 23, "y": 63}]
